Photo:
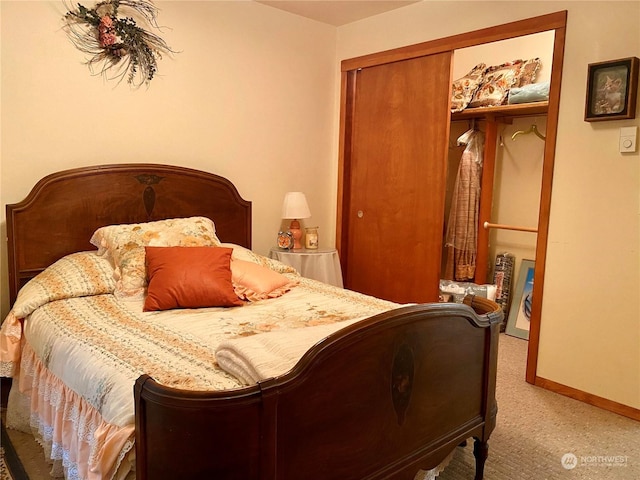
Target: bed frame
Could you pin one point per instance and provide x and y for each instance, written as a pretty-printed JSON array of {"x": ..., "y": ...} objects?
[{"x": 379, "y": 399}]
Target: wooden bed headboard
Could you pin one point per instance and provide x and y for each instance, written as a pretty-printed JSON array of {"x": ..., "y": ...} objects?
[{"x": 63, "y": 210}]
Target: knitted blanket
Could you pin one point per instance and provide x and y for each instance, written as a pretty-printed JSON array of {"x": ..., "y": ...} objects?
[{"x": 266, "y": 355}]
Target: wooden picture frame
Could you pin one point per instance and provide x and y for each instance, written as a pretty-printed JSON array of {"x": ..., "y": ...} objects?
[
  {"x": 520, "y": 311},
  {"x": 612, "y": 90}
]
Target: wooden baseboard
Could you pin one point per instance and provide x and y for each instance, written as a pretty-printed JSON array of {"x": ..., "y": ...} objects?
[{"x": 589, "y": 398}]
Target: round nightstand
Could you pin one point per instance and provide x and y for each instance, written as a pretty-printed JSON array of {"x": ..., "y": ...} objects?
[{"x": 321, "y": 264}]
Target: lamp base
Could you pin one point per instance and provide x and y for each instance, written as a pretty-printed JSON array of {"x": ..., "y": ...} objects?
[{"x": 294, "y": 228}]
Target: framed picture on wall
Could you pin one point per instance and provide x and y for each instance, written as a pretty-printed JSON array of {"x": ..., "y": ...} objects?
[
  {"x": 612, "y": 89},
  {"x": 520, "y": 311}
]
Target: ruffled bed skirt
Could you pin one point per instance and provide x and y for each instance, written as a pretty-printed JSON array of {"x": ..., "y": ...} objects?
[{"x": 78, "y": 443}]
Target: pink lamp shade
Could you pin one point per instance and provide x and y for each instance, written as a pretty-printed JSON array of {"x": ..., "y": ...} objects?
[{"x": 295, "y": 207}]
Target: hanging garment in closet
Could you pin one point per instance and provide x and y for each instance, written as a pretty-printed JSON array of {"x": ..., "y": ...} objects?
[{"x": 462, "y": 227}]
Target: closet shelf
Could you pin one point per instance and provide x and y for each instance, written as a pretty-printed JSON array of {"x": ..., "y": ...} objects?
[{"x": 518, "y": 110}]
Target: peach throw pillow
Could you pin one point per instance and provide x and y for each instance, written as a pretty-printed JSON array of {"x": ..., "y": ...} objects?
[{"x": 255, "y": 282}]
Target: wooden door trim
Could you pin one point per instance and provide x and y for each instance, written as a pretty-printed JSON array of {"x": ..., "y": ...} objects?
[
  {"x": 545, "y": 204},
  {"x": 554, "y": 21},
  {"x": 505, "y": 31},
  {"x": 347, "y": 107}
]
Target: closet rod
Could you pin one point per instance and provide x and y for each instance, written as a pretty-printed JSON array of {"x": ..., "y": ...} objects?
[{"x": 510, "y": 227}]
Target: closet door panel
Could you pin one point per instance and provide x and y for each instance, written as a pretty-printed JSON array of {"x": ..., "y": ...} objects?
[{"x": 396, "y": 190}]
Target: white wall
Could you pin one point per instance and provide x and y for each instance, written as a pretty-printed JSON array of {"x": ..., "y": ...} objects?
[
  {"x": 250, "y": 96},
  {"x": 590, "y": 332}
]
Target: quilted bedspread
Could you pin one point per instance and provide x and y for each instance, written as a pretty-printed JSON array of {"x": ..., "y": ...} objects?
[{"x": 77, "y": 350}]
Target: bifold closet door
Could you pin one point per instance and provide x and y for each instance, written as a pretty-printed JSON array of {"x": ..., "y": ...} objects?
[{"x": 393, "y": 215}]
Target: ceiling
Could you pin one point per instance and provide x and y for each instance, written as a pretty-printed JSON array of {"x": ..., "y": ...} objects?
[{"x": 337, "y": 12}]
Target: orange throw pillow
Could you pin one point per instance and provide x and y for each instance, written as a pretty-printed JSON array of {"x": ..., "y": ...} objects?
[{"x": 189, "y": 277}]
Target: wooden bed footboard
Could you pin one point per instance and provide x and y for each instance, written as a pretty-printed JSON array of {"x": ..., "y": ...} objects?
[{"x": 382, "y": 398}]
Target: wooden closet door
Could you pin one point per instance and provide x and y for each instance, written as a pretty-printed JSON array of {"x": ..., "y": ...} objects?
[{"x": 397, "y": 168}]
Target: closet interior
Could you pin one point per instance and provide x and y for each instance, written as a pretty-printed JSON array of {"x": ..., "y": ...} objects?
[
  {"x": 510, "y": 154},
  {"x": 399, "y": 158}
]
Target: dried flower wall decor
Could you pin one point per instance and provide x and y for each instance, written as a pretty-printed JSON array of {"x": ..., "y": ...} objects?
[{"x": 116, "y": 45}]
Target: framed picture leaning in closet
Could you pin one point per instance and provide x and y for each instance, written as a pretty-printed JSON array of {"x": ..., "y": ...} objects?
[
  {"x": 520, "y": 312},
  {"x": 612, "y": 89}
]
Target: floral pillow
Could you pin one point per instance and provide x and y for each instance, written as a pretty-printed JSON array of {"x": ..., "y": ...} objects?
[
  {"x": 528, "y": 72},
  {"x": 464, "y": 88},
  {"x": 499, "y": 79},
  {"x": 124, "y": 246}
]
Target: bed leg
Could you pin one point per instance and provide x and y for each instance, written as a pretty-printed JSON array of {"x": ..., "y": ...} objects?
[{"x": 481, "y": 452}]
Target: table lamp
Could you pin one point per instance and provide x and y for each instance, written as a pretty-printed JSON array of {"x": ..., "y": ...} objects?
[{"x": 295, "y": 207}]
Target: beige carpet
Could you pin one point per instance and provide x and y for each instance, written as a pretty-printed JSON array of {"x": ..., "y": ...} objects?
[{"x": 535, "y": 430}]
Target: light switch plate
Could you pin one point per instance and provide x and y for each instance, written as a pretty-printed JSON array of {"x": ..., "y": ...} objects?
[{"x": 628, "y": 139}]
